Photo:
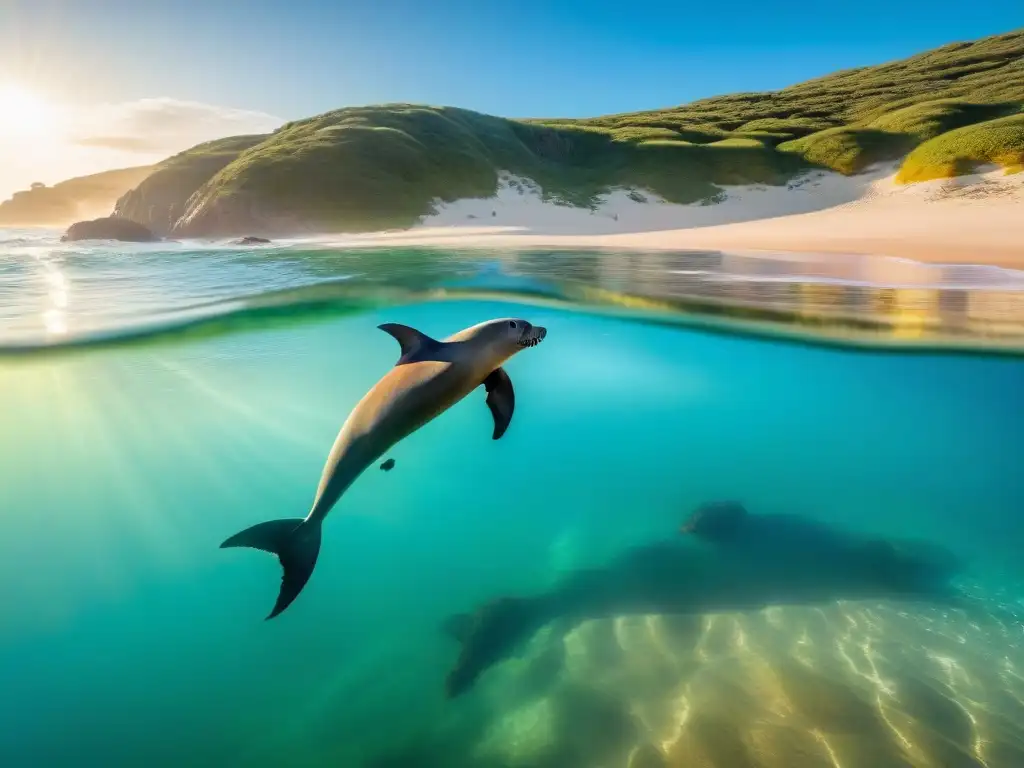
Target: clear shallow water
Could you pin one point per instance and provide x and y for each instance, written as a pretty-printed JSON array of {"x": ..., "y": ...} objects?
[
  {"x": 129, "y": 638},
  {"x": 57, "y": 294}
]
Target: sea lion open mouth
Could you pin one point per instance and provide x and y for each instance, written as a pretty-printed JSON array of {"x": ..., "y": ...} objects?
[{"x": 532, "y": 336}]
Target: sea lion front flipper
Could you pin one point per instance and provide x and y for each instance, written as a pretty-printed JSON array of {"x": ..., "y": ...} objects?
[
  {"x": 415, "y": 345},
  {"x": 501, "y": 399}
]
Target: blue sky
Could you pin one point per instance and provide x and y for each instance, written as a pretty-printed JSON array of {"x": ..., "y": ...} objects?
[
  {"x": 87, "y": 85},
  {"x": 514, "y": 58}
]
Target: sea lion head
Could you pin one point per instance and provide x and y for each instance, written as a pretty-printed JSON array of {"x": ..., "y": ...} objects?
[{"x": 501, "y": 338}]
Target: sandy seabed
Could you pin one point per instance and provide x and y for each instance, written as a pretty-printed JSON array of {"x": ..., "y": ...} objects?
[
  {"x": 848, "y": 685},
  {"x": 970, "y": 219}
]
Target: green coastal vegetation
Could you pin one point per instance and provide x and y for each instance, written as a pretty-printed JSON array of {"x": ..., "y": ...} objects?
[
  {"x": 378, "y": 167},
  {"x": 945, "y": 111},
  {"x": 992, "y": 142},
  {"x": 941, "y": 113},
  {"x": 78, "y": 198},
  {"x": 159, "y": 200}
]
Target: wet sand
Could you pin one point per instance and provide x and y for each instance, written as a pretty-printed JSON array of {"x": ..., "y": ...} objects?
[{"x": 971, "y": 220}]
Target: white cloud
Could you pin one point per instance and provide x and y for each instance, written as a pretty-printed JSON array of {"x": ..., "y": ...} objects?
[
  {"x": 85, "y": 139},
  {"x": 162, "y": 125}
]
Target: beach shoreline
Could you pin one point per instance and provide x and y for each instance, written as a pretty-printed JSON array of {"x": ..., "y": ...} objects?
[{"x": 977, "y": 219}]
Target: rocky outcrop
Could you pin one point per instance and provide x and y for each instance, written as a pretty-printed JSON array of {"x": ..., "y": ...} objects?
[
  {"x": 250, "y": 240},
  {"x": 109, "y": 228},
  {"x": 237, "y": 214}
]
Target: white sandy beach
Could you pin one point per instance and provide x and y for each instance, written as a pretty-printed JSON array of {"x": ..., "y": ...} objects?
[{"x": 971, "y": 219}]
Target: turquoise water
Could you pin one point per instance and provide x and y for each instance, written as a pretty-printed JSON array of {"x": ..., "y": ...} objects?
[{"x": 130, "y": 639}]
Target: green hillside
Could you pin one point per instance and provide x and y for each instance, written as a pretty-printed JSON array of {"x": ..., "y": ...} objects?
[
  {"x": 992, "y": 142},
  {"x": 366, "y": 168},
  {"x": 83, "y": 197},
  {"x": 161, "y": 198},
  {"x": 377, "y": 167}
]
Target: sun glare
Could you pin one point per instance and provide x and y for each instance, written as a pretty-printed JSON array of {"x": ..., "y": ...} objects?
[{"x": 23, "y": 113}]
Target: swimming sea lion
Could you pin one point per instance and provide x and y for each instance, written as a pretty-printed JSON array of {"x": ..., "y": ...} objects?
[{"x": 429, "y": 378}]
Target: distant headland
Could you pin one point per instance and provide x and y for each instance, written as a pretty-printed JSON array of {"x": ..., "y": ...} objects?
[{"x": 79, "y": 198}]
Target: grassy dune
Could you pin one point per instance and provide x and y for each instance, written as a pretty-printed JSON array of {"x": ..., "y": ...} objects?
[
  {"x": 993, "y": 142},
  {"x": 376, "y": 167},
  {"x": 848, "y": 150},
  {"x": 368, "y": 168},
  {"x": 851, "y": 119},
  {"x": 82, "y": 197},
  {"x": 986, "y": 71}
]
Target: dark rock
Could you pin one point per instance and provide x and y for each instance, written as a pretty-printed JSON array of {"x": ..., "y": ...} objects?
[
  {"x": 109, "y": 228},
  {"x": 250, "y": 240}
]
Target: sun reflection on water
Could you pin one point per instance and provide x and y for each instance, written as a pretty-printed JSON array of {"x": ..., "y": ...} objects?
[{"x": 55, "y": 313}]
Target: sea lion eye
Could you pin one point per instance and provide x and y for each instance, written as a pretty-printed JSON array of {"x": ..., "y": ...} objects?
[{"x": 512, "y": 324}]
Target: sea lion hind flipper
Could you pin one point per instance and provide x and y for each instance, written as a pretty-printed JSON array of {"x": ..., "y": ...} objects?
[
  {"x": 296, "y": 544},
  {"x": 501, "y": 399},
  {"x": 414, "y": 344}
]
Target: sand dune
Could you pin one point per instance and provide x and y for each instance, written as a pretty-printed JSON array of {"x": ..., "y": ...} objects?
[{"x": 971, "y": 219}]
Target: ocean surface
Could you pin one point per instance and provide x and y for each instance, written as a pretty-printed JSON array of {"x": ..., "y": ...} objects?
[{"x": 157, "y": 399}]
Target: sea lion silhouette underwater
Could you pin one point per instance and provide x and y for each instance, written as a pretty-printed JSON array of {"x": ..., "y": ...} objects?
[
  {"x": 429, "y": 378},
  {"x": 730, "y": 560}
]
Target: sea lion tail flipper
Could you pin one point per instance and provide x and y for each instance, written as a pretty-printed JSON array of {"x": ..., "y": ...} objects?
[{"x": 296, "y": 543}]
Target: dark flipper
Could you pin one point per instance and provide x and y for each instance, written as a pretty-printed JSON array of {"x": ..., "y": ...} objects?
[
  {"x": 296, "y": 544},
  {"x": 415, "y": 345},
  {"x": 501, "y": 399}
]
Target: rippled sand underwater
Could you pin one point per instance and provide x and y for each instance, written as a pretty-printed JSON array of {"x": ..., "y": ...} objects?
[{"x": 848, "y": 685}]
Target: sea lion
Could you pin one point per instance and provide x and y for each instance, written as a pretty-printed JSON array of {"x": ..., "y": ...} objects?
[
  {"x": 388, "y": 465},
  {"x": 429, "y": 378},
  {"x": 765, "y": 560}
]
